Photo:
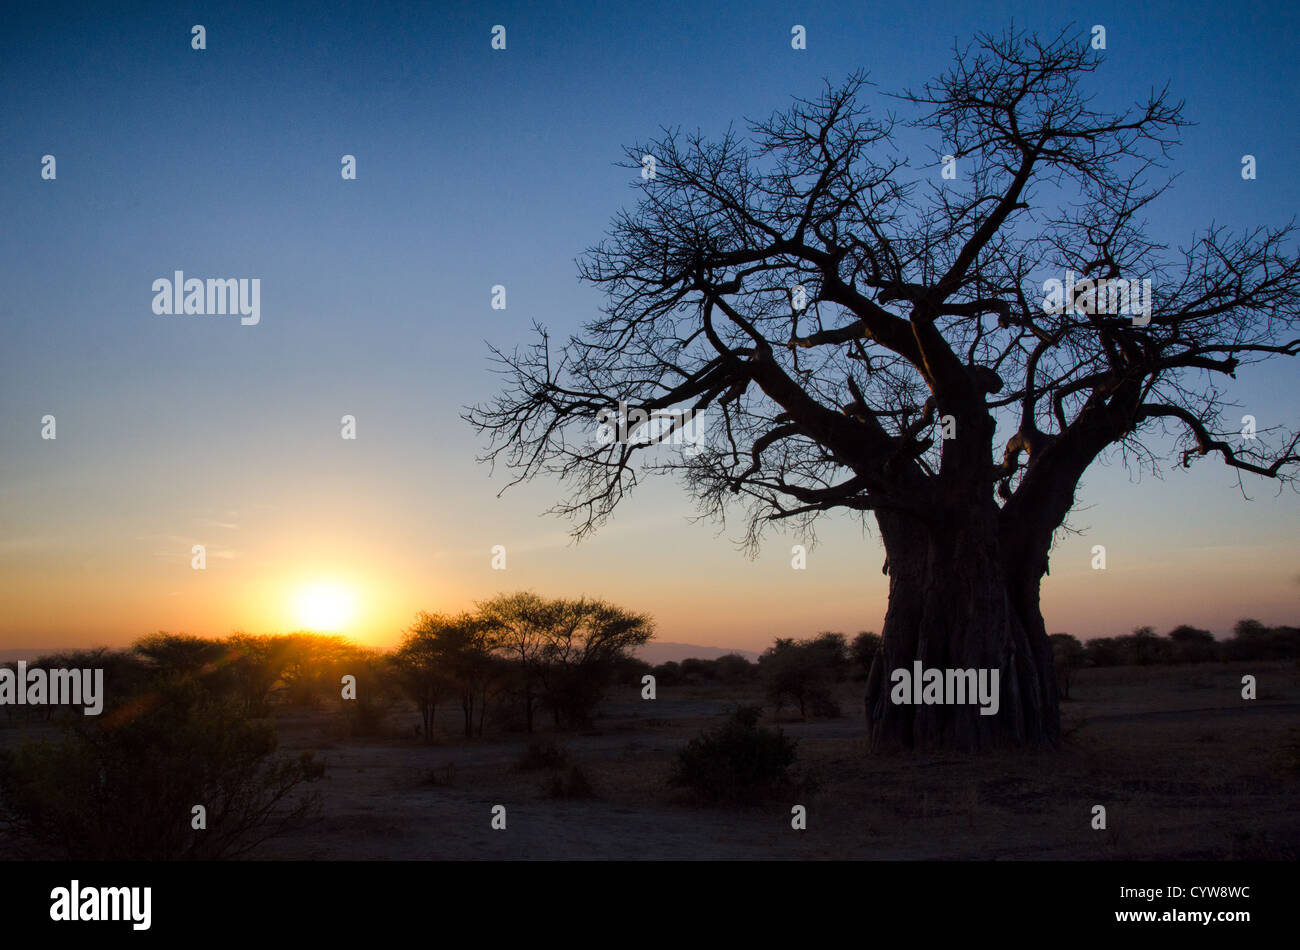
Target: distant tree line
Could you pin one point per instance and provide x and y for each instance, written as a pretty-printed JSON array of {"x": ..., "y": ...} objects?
[
  {"x": 795, "y": 674},
  {"x": 519, "y": 655},
  {"x": 186, "y": 721},
  {"x": 801, "y": 674},
  {"x": 1250, "y": 640}
]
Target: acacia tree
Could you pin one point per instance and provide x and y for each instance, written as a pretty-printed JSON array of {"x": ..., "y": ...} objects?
[
  {"x": 421, "y": 671},
  {"x": 583, "y": 645},
  {"x": 518, "y": 625},
  {"x": 448, "y": 653},
  {"x": 256, "y": 663},
  {"x": 868, "y": 336},
  {"x": 802, "y": 671}
]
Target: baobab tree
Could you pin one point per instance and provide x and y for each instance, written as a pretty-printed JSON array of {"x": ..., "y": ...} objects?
[{"x": 872, "y": 335}]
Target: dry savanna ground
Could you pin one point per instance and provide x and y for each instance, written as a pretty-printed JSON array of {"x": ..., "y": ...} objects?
[
  {"x": 1185, "y": 768},
  {"x": 1183, "y": 765}
]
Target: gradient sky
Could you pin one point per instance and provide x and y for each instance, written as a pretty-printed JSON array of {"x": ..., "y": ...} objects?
[{"x": 478, "y": 168}]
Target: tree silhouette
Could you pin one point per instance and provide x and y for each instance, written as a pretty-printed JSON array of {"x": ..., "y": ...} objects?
[
  {"x": 446, "y": 652},
  {"x": 421, "y": 670},
  {"x": 562, "y": 653},
  {"x": 801, "y": 673},
  {"x": 1068, "y": 656},
  {"x": 519, "y": 625},
  {"x": 585, "y": 641},
  {"x": 866, "y": 336},
  {"x": 256, "y": 663}
]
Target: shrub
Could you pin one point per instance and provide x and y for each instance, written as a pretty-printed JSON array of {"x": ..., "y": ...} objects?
[
  {"x": 365, "y": 717},
  {"x": 668, "y": 674},
  {"x": 1143, "y": 648},
  {"x": 1251, "y": 640},
  {"x": 824, "y": 705},
  {"x": 542, "y": 754},
  {"x": 1068, "y": 655},
  {"x": 1191, "y": 645},
  {"x": 180, "y": 657},
  {"x": 628, "y": 670},
  {"x": 310, "y": 666},
  {"x": 799, "y": 673},
  {"x": 739, "y": 761},
  {"x": 1288, "y": 756},
  {"x": 831, "y": 651},
  {"x": 733, "y": 669},
  {"x": 444, "y": 777},
  {"x": 1104, "y": 651},
  {"x": 256, "y": 663},
  {"x": 572, "y": 693},
  {"x": 376, "y": 694},
  {"x": 124, "y": 672},
  {"x": 122, "y": 786},
  {"x": 570, "y": 783},
  {"x": 696, "y": 671},
  {"x": 312, "y": 767},
  {"x": 862, "y": 653}
]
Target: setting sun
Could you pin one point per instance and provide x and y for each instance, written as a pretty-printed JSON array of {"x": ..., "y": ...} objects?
[{"x": 325, "y": 606}]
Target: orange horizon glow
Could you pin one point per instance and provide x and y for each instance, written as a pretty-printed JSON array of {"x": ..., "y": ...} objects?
[
  {"x": 109, "y": 566},
  {"x": 690, "y": 601}
]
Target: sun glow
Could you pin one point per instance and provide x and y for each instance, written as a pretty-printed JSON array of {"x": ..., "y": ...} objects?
[{"x": 325, "y": 606}]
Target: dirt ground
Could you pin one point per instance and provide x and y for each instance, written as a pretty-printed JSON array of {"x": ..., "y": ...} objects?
[{"x": 1183, "y": 765}]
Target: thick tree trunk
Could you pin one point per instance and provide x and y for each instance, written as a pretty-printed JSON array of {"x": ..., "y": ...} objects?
[{"x": 955, "y": 603}]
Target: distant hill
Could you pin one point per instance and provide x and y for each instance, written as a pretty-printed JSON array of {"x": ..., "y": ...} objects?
[{"x": 655, "y": 653}]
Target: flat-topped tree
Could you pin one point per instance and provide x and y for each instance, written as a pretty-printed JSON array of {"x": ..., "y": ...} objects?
[{"x": 925, "y": 380}]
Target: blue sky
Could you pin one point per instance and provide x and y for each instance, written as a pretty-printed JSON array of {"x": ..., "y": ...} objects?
[{"x": 478, "y": 167}]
